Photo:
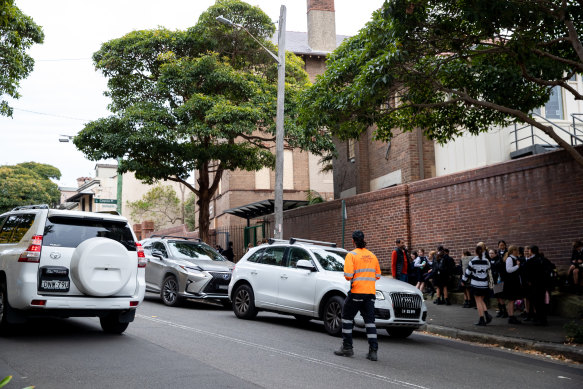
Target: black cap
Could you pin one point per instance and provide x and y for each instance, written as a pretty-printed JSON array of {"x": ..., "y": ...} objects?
[{"x": 358, "y": 235}]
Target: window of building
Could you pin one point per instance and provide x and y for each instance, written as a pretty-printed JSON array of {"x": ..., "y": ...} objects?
[
  {"x": 351, "y": 149},
  {"x": 553, "y": 109}
]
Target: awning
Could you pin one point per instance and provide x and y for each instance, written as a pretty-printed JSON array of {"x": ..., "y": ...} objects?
[
  {"x": 264, "y": 207},
  {"x": 77, "y": 196}
]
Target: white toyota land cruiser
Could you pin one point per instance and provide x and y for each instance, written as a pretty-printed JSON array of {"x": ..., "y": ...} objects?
[{"x": 69, "y": 263}]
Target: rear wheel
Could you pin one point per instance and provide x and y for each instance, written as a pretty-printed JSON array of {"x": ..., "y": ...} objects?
[
  {"x": 112, "y": 325},
  {"x": 333, "y": 315},
  {"x": 400, "y": 333},
  {"x": 4, "y": 307},
  {"x": 169, "y": 292},
  {"x": 244, "y": 302}
]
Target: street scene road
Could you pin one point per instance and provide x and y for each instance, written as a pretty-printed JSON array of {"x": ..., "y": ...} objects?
[{"x": 202, "y": 345}]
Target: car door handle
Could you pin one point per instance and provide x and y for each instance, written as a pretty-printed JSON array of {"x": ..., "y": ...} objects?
[
  {"x": 254, "y": 273},
  {"x": 284, "y": 276}
]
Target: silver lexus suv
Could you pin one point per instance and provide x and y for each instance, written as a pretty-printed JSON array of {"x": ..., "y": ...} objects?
[
  {"x": 180, "y": 268},
  {"x": 69, "y": 263},
  {"x": 305, "y": 278}
]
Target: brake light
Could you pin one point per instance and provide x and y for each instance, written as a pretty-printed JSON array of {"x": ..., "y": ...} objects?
[
  {"x": 39, "y": 303},
  {"x": 134, "y": 303},
  {"x": 141, "y": 256},
  {"x": 32, "y": 253}
]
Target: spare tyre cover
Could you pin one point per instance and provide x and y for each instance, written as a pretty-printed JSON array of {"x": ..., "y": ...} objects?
[{"x": 101, "y": 267}]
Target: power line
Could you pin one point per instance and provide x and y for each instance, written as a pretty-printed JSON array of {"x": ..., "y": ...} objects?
[{"x": 50, "y": 114}]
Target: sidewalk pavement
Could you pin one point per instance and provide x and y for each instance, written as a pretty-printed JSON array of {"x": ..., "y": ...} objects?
[{"x": 457, "y": 322}]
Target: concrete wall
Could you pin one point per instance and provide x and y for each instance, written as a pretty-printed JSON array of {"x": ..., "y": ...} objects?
[{"x": 532, "y": 200}]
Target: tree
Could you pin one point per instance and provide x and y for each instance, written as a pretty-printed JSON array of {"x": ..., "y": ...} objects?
[
  {"x": 28, "y": 183},
  {"x": 200, "y": 100},
  {"x": 450, "y": 66},
  {"x": 160, "y": 204},
  {"x": 18, "y": 33}
]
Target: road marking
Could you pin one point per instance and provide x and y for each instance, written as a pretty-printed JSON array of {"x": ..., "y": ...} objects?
[{"x": 286, "y": 353}]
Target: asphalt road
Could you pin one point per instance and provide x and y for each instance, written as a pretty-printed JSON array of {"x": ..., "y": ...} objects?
[{"x": 205, "y": 346}]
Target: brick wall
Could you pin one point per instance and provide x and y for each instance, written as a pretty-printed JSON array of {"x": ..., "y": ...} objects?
[
  {"x": 533, "y": 200},
  {"x": 321, "y": 5}
]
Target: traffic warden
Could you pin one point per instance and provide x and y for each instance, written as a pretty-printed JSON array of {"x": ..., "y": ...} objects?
[{"x": 361, "y": 268}]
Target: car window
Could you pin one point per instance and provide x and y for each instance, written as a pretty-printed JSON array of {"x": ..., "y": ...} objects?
[
  {"x": 194, "y": 251},
  {"x": 296, "y": 254},
  {"x": 256, "y": 256},
  {"x": 15, "y": 227},
  {"x": 332, "y": 260},
  {"x": 272, "y": 256},
  {"x": 64, "y": 231},
  {"x": 160, "y": 247}
]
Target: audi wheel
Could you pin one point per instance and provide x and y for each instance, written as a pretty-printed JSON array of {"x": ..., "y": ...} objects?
[
  {"x": 244, "y": 302},
  {"x": 333, "y": 315}
]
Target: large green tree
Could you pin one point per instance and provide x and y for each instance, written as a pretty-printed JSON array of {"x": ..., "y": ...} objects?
[
  {"x": 200, "y": 100},
  {"x": 18, "y": 33},
  {"x": 160, "y": 204},
  {"x": 28, "y": 183},
  {"x": 449, "y": 67}
]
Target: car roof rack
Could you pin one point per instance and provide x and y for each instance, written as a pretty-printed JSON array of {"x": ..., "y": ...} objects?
[
  {"x": 273, "y": 240},
  {"x": 294, "y": 240},
  {"x": 175, "y": 237},
  {"x": 36, "y": 206}
]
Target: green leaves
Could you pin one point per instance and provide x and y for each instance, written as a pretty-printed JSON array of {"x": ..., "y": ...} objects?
[
  {"x": 446, "y": 66},
  {"x": 18, "y": 33},
  {"x": 28, "y": 183}
]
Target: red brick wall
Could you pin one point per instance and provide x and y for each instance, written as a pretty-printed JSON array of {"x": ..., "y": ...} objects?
[
  {"x": 321, "y": 5},
  {"x": 533, "y": 200}
]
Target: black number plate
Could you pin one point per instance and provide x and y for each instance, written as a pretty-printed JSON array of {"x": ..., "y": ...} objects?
[{"x": 54, "y": 279}]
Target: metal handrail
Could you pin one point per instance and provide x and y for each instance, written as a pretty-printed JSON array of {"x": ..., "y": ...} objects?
[
  {"x": 575, "y": 139},
  {"x": 573, "y": 136},
  {"x": 574, "y": 125}
]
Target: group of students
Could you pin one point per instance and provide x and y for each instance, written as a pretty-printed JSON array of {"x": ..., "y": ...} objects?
[
  {"x": 526, "y": 275},
  {"x": 505, "y": 273}
]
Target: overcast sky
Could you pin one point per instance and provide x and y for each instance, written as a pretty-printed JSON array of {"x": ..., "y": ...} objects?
[{"x": 64, "y": 91}]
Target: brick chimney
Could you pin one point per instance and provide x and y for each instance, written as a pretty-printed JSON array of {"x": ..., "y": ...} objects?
[{"x": 321, "y": 25}]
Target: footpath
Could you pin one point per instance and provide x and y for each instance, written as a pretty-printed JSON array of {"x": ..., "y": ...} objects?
[{"x": 457, "y": 322}]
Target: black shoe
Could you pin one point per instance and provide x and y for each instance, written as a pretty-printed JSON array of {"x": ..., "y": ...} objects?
[
  {"x": 436, "y": 301},
  {"x": 504, "y": 314},
  {"x": 447, "y": 302},
  {"x": 466, "y": 304},
  {"x": 344, "y": 352},
  {"x": 513, "y": 320},
  {"x": 488, "y": 317},
  {"x": 500, "y": 311},
  {"x": 481, "y": 322},
  {"x": 372, "y": 355}
]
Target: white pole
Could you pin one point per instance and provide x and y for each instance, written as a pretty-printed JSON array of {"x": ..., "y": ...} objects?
[{"x": 278, "y": 233}]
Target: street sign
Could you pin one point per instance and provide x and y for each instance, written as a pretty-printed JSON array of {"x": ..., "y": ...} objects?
[{"x": 105, "y": 201}]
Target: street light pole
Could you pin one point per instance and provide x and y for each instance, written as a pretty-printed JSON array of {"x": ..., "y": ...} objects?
[
  {"x": 279, "y": 125},
  {"x": 279, "y": 128}
]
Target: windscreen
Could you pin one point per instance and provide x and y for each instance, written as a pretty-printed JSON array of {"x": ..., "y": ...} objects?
[
  {"x": 70, "y": 232},
  {"x": 191, "y": 251},
  {"x": 332, "y": 260}
]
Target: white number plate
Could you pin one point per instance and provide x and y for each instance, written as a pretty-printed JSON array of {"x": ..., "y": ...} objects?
[{"x": 54, "y": 285}]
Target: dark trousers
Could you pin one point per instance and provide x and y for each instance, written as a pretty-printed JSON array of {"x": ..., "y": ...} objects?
[{"x": 352, "y": 305}]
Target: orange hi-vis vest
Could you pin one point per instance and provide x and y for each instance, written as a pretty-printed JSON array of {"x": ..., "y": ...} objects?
[{"x": 362, "y": 269}]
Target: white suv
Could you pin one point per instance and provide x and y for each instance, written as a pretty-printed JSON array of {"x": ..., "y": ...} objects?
[
  {"x": 306, "y": 279},
  {"x": 67, "y": 263}
]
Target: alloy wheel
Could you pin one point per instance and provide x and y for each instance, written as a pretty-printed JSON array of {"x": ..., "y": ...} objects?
[
  {"x": 333, "y": 316},
  {"x": 242, "y": 301},
  {"x": 170, "y": 292}
]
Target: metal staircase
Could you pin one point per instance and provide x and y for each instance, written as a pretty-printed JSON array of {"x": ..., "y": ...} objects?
[{"x": 529, "y": 140}]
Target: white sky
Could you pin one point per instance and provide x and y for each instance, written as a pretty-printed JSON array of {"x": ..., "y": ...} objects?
[{"x": 64, "y": 91}]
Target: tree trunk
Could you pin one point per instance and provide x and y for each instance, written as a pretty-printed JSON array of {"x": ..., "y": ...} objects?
[{"x": 203, "y": 203}]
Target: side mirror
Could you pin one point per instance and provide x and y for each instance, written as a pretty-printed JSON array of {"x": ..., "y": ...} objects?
[
  {"x": 158, "y": 254},
  {"x": 304, "y": 264}
]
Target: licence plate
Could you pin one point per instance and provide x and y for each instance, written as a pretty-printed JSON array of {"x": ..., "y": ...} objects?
[
  {"x": 61, "y": 286},
  {"x": 225, "y": 287},
  {"x": 409, "y": 311}
]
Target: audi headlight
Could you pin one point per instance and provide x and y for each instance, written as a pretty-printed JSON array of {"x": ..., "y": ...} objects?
[{"x": 380, "y": 295}]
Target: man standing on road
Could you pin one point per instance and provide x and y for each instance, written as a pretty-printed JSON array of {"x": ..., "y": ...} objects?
[
  {"x": 399, "y": 261},
  {"x": 362, "y": 269}
]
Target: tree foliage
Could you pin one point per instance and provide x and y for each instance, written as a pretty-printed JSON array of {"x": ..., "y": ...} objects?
[
  {"x": 28, "y": 183},
  {"x": 18, "y": 33},
  {"x": 203, "y": 99},
  {"x": 449, "y": 66},
  {"x": 160, "y": 204}
]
